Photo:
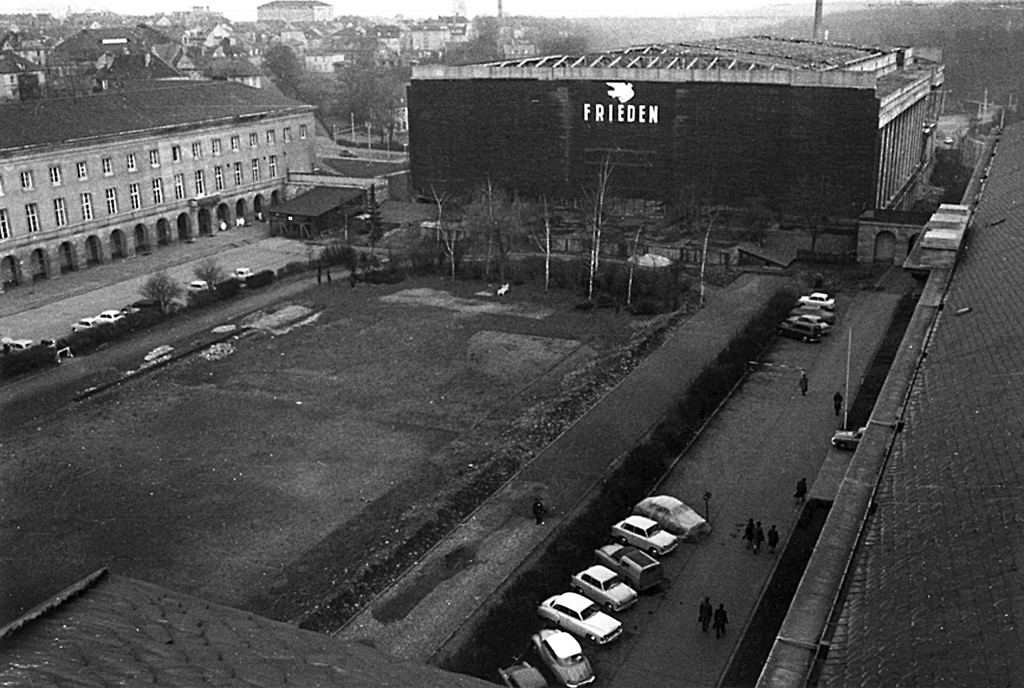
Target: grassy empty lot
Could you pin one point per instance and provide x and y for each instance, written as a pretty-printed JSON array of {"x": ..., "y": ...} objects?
[{"x": 271, "y": 477}]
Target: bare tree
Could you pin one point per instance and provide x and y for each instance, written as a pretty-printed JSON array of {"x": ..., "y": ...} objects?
[
  {"x": 544, "y": 244},
  {"x": 209, "y": 270},
  {"x": 491, "y": 212},
  {"x": 595, "y": 216},
  {"x": 704, "y": 253},
  {"x": 447, "y": 235},
  {"x": 163, "y": 289},
  {"x": 633, "y": 257}
]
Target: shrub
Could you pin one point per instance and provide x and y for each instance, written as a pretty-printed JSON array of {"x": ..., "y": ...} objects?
[
  {"x": 260, "y": 279},
  {"x": 200, "y": 299},
  {"x": 227, "y": 289},
  {"x": 33, "y": 358}
]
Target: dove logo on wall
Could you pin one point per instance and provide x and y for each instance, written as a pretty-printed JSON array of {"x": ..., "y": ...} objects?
[{"x": 623, "y": 110}]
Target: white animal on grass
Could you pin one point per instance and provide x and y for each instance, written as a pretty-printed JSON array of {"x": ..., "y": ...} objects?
[{"x": 503, "y": 289}]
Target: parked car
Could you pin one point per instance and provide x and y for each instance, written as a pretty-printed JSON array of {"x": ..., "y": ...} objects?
[
  {"x": 562, "y": 654},
  {"x": 639, "y": 569},
  {"x": 107, "y": 317},
  {"x": 812, "y": 320},
  {"x": 602, "y": 585},
  {"x": 522, "y": 675},
  {"x": 242, "y": 274},
  {"x": 7, "y": 344},
  {"x": 819, "y": 299},
  {"x": 949, "y": 140},
  {"x": 646, "y": 534},
  {"x": 86, "y": 324},
  {"x": 828, "y": 317},
  {"x": 143, "y": 304},
  {"x": 199, "y": 285},
  {"x": 674, "y": 516},
  {"x": 805, "y": 332},
  {"x": 573, "y": 612},
  {"x": 848, "y": 439}
]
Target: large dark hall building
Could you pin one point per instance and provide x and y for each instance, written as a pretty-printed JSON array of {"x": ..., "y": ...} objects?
[{"x": 800, "y": 126}]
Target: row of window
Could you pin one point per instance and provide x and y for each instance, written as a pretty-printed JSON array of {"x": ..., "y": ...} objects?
[
  {"x": 27, "y": 178},
  {"x": 110, "y": 197}
]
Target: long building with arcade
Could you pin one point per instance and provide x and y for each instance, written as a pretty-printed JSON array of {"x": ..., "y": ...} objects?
[{"x": 801, "y": 126}]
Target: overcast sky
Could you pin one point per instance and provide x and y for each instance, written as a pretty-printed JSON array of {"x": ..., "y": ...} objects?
[{"x": 245, "y": 10}]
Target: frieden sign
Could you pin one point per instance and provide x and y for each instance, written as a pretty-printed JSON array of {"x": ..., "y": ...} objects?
[{"x": 622, "y": 111}]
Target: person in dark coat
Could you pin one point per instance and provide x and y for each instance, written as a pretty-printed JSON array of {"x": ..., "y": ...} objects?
[
  {"x": 721, "y": 621},
  {"x": 801, "y": 491},
  {"x": 773, "y": 539},
  {"x": 319, "y": 274},
  {"x": 328, "y": 275},
  {"x": 758, "y": 537},
  {"x": 704, "y": 615},
  {"x": 837, "y": 402},
  {"x": 539, "y": 511},
  {"x": 803, "y": 383},
  {"x": 748, "y": 532}
]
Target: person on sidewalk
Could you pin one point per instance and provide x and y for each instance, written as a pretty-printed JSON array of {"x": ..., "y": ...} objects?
[
  {"x": 758, "y": 537},
  {"x": 748, "y": 532},
  {"x": 837, "y": 402},
  {"x": 704, "y": 615},
  {"x": 773, "y": 540},
  {"x": 319, "y": 274},
  {"x": 721, "y": 621},
  {"x": 801, "y": 491},
  {"x": 328, "y": 275},
  {"x": 539, "y": 511},
  {"x": 803, "y": 383}
]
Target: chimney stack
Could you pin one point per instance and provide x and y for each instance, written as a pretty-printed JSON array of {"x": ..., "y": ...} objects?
[{"x": 817, "y": 20}]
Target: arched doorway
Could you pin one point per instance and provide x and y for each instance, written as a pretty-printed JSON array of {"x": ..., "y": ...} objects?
[
  {"x": 93, "y": 251},
  {"x": 205, "y": 225},
  {"x": 885, "y": 247},
  {"x": 67, "y": 257},
  {"x": 239, "y": 210},
  {"x": 184, "y": 227},
  {"x": 9, "y": 272},
  {"x": 117, "y": 248},
  {"x": 275, "y": 198},
  {"x": 141, "y": 239},
  {"x": 163, "y": 232},
  {"x": 37, "y": 265},
  {"x": 257, "y": 206},
  {"x": 223, "y": 216}
]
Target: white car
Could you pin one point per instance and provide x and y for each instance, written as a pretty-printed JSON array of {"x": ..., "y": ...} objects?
[
  {"x": 86, "y": 324},
  {"x": 848, "y": 439},
  {"x": 674, "y": 516},
  {"x": 819, "y": 299},
  {"x": 15, "y": 344},
  {"x": 812, "y": 320},
  {"x": 110, "y": 316},
  {"x": 645, "y": 534},
  {"x": 604, "y": 586},
  {"x": 564, "y": 656},
  {"x": 826, "y": 316},
  {"x": 242, "y": 274},
  {"x": 575, "y": 613},
  {"x": 199, "y": 285}
]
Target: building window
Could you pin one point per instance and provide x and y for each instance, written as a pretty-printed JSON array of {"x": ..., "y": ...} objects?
[
  {"x": 27, "y": 183},
  {"x": 87, "y": 206},
  {"x": 272, "y": 163},
  {"x": 236, "y": 142},
  {"x": 5, "y": 224},
  {"x": 175, "y": 153},
  {"x": 215, "y": 146},
  {"x": 60, "y": 212},
  {"x": 179, "y": 187},
  {"x": 111, "y": 196},
  {"x": 255, "y": 169},
  {"x": 129, "y": 161},
  {"x": 32, "y": 215},
  {"x": 218, "y": 178},
  {"x": 197, "y": 149},
  {"x": 271, "y": 137},
  {"x": 158, "y": 191},
  {"x": 55, "y": 177},
  {"x": 238, "y": 173},
  {"x": 83, "y": 170},
  {"x": 108, "y": 166},
  {"x": 303, "y": 131},
  {"x": 200, "y": 178},
  {"x": 286, "y": 134},
  {"x": 254, "y": 140},
  {"x": 134, "y": 197},
  {"x": 154, "y": 158}
]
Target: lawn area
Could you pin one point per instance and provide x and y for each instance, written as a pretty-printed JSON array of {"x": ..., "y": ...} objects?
[{"x": 303, "y": 463}]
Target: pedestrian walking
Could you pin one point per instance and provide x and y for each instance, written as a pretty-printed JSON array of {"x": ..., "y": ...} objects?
[
  {"x": 704, "y": 615},
  {"x": 837, "y": 401},
  {"x": 721, "y": 621},
  {"x": 773, "y": 539},
  {"x": 758, "y": 537},
  {"x": 319, "y": 274},
  {"x": 328, "y": 275},
  {"x": 801, "y": 490},
  {"x": 539, "y": 511},
  {"x": 748, "y": 532},
  {"x": 803, "y": 383}
]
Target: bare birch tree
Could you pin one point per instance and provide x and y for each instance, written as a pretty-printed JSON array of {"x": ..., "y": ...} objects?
[
  {"x": 446, "y": 235},
  {"x": 544, "y": 243},
  {"x": 594, "y": 218}
]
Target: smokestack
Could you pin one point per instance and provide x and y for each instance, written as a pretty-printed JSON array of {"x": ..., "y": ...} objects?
[
  {"x": 499, "y": 9},
  {"x": 817, "y": 20}
]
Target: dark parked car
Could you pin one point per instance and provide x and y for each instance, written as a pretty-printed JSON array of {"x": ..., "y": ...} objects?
[{"x": 805, "y": 332}]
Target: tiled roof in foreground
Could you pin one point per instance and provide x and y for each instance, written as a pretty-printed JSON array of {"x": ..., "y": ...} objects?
[{"x": 936, "y": 594}]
